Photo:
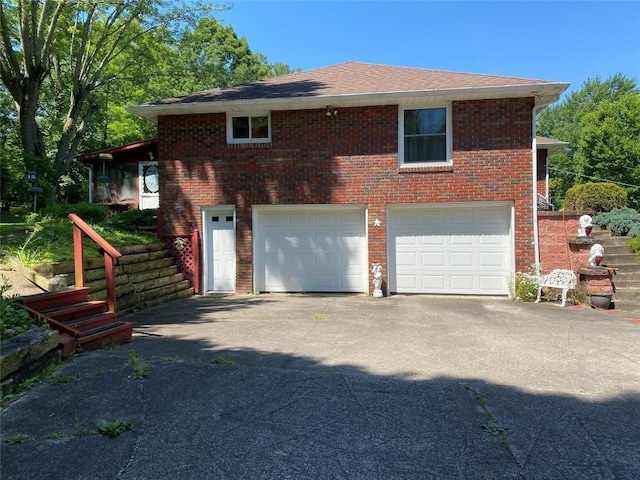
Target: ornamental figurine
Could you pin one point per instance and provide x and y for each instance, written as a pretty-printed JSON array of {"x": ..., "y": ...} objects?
[
  {"x": 596, "y": 254},
  {"x": 585, "y": 226},
  {"x": 376, "y": 269}
]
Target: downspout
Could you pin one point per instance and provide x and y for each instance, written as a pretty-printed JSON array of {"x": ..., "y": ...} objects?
[{"x": 534, "y": 170}]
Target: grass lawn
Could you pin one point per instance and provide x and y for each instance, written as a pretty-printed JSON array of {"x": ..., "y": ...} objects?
[{"x": 35, "y": 239}]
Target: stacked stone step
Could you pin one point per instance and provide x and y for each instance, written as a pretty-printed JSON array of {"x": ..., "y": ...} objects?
[
  {"x": 627, "y": 278},
  {"x": 146, "y": 276}
]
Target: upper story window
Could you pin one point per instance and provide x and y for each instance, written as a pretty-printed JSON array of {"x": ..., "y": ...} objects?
[
  {"x": 425, "y": 136},
  {"x": 248, "y": 128}
]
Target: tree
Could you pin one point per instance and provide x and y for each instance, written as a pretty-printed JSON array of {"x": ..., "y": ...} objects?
[
  {"x": 64, "y": 47},
  {"x": 609, "y": 145},
  {"x": 71, "y": 66},
  {"x": 216, "y": 57},
  {"x": 14, "y": 163},
  {"x": 563, "y": 121},
  {"x": 208, "y": 56}
]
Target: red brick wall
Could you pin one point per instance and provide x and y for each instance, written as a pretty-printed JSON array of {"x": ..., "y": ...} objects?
[
  {"x": 555, "y": 232},
  {"x": 349, "y": 158}
]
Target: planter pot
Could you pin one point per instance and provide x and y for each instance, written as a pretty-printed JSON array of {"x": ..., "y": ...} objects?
[{"x": 600, "y": 301}]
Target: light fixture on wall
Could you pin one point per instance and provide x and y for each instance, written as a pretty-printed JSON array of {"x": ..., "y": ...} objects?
[{"x": 331, "y": 111}]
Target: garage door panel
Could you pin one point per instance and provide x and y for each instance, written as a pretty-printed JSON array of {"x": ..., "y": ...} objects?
[
  {"x": 491, "y": 282},
  {"x": 407, "y": 259},
  {"x": 461, "y": 283},
  {"x": 433, "y": 282},
  {"x": 490, "y": 240},
  {"x": 433, "y": 259},
  {"x": 459, "y": 259},
  {"x": 297, "y": 219},
  {"x": 461, "y": 239},
  {"x": 324, "y": 219},
  {"x": 463, "y": 217},
  {"x": 450, "y": 249},
  {"x": 407, "y": 240},
  {"x": 274, "y": 219},
  {"x": 311, "y": 250},
  {"x": 324, "y": 281},
  {"x": 407, "y": 282},
  {"x": 487, "y": 259},
  {"x": 351, "y": 241},
  {"x": 432, "y": 240},
  {"x": 354, "y": 219}
]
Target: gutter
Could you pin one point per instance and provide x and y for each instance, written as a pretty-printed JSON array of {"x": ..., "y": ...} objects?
[{"x": 544, "y": 94}]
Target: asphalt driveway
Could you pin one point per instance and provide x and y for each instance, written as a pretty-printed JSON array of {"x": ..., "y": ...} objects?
[{"x": 321, "y": 387}]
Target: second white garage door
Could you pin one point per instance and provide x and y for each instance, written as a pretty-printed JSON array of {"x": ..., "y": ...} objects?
[
  {"x": 310, "y": 249},
  {"x": 457, "y": 248}
]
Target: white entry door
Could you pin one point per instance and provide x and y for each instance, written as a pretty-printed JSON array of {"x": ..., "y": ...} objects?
[
  {"x": 220, "y": 251},
  {"x": 148, "y": 185}
]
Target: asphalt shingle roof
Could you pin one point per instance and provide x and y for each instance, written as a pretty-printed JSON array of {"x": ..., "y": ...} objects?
[{"x": 352, "y": 78}]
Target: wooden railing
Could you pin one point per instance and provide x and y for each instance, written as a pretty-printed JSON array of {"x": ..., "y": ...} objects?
[{"x": 110, "y": 255}]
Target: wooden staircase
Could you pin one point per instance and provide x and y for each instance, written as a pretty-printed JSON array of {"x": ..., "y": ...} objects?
[{"x": 83, "y": 324}]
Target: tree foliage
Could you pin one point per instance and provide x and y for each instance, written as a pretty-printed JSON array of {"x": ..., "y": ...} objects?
[
  {"x": 577, "y": 119},
  {"x": 70, "y": 68},
  {"x": 609, "y": 146}
]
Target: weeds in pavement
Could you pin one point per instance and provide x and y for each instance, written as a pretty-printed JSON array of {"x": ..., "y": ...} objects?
[
  {"x": 141, "y": 369},
  {"x": 113, "y": 428}
]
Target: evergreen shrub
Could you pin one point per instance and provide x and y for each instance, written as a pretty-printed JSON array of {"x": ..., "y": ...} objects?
[{"x": 620, "y": 221}]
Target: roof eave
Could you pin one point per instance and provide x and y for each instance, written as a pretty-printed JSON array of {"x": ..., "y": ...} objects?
[{"x": 543, "y": 93}]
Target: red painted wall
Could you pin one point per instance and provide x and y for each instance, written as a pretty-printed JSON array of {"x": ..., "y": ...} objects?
[{"x": 349, "y": 158}]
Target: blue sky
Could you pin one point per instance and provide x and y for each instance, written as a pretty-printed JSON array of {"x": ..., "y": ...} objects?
[{"x": 564, "y": 41}]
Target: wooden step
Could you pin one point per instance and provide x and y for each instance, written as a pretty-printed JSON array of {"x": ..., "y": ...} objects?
[
  {"x": 76, "y": 311},
  {"x": 50, "y": 300},
  {"x": 116, "y": 332},
  {"x": 93, "y": 321}
]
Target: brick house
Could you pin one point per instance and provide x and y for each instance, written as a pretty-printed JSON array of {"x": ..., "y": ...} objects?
[{"x": 299, "y": 183}]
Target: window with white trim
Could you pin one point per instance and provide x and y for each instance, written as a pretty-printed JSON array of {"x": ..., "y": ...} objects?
[
  {"x": 248, "y": 128},
  {"x": 425, "y": 136}
]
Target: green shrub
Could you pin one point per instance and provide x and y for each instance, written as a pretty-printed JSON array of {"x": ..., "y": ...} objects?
[
  {"x": 132, "y": 220},
  {"x": 596, "y": 197},
  {"x": 13, "y": 320},
  {"x": 620, "y": 221},
  {"x": 634, "y": 245},
  {"x": 524, "y": 286},
  {"x": 89, "y": 212}
]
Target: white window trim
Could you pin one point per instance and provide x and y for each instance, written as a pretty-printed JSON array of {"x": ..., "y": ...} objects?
[
  {"x": 231, "y": 116},
  {"x": 449, "y": 140}
]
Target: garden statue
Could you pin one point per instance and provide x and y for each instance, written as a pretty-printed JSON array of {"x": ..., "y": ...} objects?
[
  {"x": 596, "y": 254},
  {"x": 377, "y": 280},
  {"x": 585, "y": 226}
]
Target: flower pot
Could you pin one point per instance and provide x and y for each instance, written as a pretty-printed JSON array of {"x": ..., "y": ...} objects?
[{"x": 600, "y": 301}]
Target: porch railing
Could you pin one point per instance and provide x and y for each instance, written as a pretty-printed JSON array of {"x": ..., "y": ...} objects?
[{"x": 80, "y": 227}]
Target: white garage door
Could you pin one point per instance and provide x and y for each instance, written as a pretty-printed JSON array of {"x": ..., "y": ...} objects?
[
  {"x": 463, "y": 248},
  {"x": 314, "y": 249}
]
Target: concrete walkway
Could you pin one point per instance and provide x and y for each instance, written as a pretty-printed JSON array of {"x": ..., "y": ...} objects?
[{"x": 344, "y": 387}]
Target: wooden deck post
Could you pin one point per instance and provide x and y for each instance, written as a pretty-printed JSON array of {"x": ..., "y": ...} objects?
[
  {"x": 78, "y": 256},
  {"x": 110, "y": 255},
  {"x": 195, "y": 245}
]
